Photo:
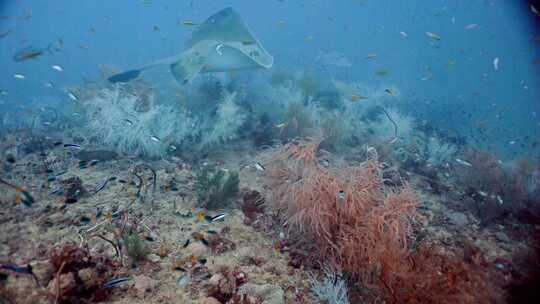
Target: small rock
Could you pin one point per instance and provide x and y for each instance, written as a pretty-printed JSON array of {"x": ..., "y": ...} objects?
[
  {"x": 502, "y": 237},
  {"x": 457, "y": 218},
  {"x": 271, "y": 294},
  {"x": 67, "y": 282},
  {"x": 214, "y": 280},
  {"x": 209, "y": 300},
  {"x": 88, "y": 277},
  {"x": 44, "y": 271},
  {"x": 154, "y": 258},
  {"x": 198, "y": 249},
  {"x": 144, "y": 284}
]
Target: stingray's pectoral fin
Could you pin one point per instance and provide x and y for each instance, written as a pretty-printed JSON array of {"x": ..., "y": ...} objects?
[{"x": 125, "y": 76}]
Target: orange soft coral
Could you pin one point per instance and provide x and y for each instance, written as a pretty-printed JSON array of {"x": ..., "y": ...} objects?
[{"x": 362, "y": 227}]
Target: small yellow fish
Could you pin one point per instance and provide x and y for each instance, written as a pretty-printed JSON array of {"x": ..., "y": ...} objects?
[
  {"x": 282, "y": 125},
  {"x": 201, "y": 216},
  {"x": 108, "y": 216},
  {"x": 355, "y": 97},
  {"x": 433, "y": 36},
  {"x": 390, "y": 92},
  {"x": 370, "y": 56}
]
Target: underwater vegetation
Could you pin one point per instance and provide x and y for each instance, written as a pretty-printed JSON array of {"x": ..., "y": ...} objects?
[
  {"x": 136, "y": 248},
  {"x": 500, "y": 191},
  {"x": 367, "y": 229},
  {"x": 216, "y": 190},
  {"x": 137, "y": 121}
]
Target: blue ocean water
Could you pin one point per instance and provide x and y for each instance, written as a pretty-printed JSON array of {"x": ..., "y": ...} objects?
[
  {"x": 358, "y": 150},
  {"x": 461, "y": 92}
]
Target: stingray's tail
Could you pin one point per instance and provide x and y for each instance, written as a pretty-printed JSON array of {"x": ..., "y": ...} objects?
[{"x": 125, "y": 76}]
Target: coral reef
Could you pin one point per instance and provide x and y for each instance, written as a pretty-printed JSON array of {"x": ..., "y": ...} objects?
[
  {"x": 79, "y": 276},
  {"x": 367, "y": 230},
  {"x": 499, "y": 190}
]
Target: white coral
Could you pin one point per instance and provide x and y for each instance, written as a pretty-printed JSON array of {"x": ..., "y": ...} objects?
[
  {"x": 332, "y": 289},
  {"x": 112, "y": 119},
  {"x": 229, "y": 119}
]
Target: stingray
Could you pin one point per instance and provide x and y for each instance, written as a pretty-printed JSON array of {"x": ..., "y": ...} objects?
[{"x": 221, "y": 43}]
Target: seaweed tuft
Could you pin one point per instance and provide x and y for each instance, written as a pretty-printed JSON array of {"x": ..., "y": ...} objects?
[
  {"x": 135, "y": 247},
  {"x": 215, "y": 190}
]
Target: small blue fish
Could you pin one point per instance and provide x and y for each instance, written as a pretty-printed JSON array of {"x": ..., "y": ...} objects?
[
  {"x": 18, "y": 269},
  {"x": 115, "y": 282}
]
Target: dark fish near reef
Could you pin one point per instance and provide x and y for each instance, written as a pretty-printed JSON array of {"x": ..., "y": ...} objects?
[
  {"x": 20, "y": 269},
  {"x": 26, "y": 199},
  {"x": 31, "y": 53},
  {"x": 10, "y": 159},
  {"x": 115, "y": 282}
]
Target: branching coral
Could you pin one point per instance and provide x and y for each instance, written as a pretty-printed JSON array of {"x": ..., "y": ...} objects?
[
  {"x": 366, "y": 229},
  {"x": 120, "y": 121},
  {"x": 332, "y": 289},
  {"x": 229, "y": 118}
]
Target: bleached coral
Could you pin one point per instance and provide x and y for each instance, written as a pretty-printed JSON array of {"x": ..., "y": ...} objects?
[
  {"x": 331, "y": 289},
  {"x": 113, "y": 119},
  {"x": 128, "y": 123},
  {"x": 229, "y": 118}
]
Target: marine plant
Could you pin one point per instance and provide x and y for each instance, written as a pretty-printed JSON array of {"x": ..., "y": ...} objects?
[
  {"x": 499, "y": 189},
  {"x": 135, "y": 246},
  {"x": 308, "y": 84},
  {"x": 296, "y": 122},
  {"x": 215, "y": 190}
]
